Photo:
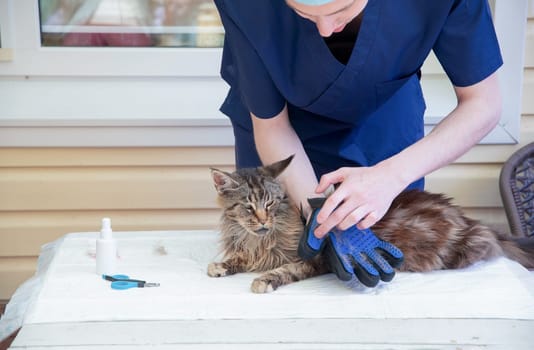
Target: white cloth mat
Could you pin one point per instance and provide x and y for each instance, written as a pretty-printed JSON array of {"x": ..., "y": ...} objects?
[{"x": 71, "y": 290}]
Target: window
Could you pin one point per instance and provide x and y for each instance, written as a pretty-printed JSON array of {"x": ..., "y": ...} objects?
[
  {"x": 146, "y": 73},
  {"x": 140, "y": 23},
  {"x": 21, "y": 25},
  {"x": 120, "y": 95}
]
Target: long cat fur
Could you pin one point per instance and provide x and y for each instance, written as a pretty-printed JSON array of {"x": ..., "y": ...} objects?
[{"x": 260, "y": 230}]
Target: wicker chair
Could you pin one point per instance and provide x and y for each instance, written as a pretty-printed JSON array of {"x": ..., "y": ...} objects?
[{"x": 516, "y": 185}]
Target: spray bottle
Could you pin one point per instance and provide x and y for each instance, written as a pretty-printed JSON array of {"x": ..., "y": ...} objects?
[{"x": 106, "y": 250}]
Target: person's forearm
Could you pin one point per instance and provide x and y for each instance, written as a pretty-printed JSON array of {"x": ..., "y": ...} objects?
[
  {"x": 276, "y": 140},
  {"x": 477, "y": 113}
]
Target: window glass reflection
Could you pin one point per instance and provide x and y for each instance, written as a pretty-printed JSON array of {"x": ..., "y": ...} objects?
[{"x": 137, "y": 23}]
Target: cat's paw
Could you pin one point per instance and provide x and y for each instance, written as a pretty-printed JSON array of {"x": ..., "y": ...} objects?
[
  {"x": 217, "y": 270},
  {"x": 261, "y": 285}
]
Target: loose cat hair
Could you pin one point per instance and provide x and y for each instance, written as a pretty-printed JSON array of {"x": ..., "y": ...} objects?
[{"x": 260, "y": 230}]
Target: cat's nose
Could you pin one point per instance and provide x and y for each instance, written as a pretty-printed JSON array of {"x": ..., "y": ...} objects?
[{"x": 262, "y": 216}]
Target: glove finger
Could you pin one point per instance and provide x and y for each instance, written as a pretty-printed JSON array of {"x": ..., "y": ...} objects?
[
  {"x": 349, "y": 252},
  {"x": 338, "y": 263},
  {"x": 364, "y": 271},
  {"x": 309, "y": 245},
  {"x": 392, "y": 254},
  {"x": 380, "y": 263}
]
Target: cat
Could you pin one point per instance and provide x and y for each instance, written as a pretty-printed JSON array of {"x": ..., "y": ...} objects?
[{"x": 261, "y": 228}]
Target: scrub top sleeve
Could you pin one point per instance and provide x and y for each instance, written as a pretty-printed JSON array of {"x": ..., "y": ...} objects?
[
  {"x": 467, "y": 46},
  {"x": 250, "y": 77}
]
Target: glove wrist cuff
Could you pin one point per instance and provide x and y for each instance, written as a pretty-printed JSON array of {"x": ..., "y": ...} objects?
[{"x": 316, "y": 202}]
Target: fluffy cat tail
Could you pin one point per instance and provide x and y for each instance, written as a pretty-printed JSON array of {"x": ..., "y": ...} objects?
[{"x": 518, "y": 249}]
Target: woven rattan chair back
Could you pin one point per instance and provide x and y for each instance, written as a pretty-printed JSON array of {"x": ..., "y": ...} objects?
[{"x": 516, "y": 184}]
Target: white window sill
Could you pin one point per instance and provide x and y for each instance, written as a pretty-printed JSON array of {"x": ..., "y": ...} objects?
[
  {"x": 112, "y": 111},
  {"x": 117, "y": 133}
]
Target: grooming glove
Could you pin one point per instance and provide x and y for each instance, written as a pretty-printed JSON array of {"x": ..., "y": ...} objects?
[{"x": 352, "y": 252}]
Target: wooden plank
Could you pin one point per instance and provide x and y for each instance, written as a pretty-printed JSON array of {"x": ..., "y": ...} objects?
[
  {"x": 23, "y": 233},
  {"x": 528, "y": 91},
  {"x": 469, "y": 186},
  {"x": 173, "y": 188},
  {"x": 529, "y": 45},
  {"x": 493, "y": 217},
  {"x": 498, "y": 154},
  {"x": 13, "y": 272},
  {"x": 410, "y": 333},
  {"x": 222, "y": 157},
  {"x": 106, "y": 188},
  {"x": 90, "y": 157}
]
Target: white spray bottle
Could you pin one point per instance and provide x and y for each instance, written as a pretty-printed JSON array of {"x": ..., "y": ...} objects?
[{"x": 106, "y": 250}]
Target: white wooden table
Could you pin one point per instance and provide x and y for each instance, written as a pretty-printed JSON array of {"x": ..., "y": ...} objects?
[{"x": 489, "y": 306}]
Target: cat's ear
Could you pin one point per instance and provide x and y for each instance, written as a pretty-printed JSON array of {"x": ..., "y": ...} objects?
[
  {"x": 222, "y": 180},
  {"x": 277, "y": 168}
]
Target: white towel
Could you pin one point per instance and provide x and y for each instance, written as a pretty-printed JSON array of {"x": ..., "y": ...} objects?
[{"x": 71, "y": 290}]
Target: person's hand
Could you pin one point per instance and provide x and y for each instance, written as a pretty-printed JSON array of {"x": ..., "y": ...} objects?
[
  {"x": 352, "y": 252},
  {"x": 362, "y": 197}
]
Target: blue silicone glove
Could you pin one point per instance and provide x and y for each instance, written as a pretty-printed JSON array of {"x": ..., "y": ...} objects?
[{"x": 352, "y": 252}]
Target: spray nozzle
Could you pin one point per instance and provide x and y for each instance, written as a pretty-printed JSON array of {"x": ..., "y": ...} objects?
[{"x": 105, "y": 231}]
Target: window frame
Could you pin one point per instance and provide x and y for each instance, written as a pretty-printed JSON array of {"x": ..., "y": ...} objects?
[
  {"x": 22, "y": 32},
  {"x": 171, "y": 72}
]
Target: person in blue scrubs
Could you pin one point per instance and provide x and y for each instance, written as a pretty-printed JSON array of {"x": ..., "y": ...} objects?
[{"x": 336, "y": 82}]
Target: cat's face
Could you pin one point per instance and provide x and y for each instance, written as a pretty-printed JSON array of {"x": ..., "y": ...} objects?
[
  {"x": 251, "y": 197},
  {"x": 253, "y": 204}
]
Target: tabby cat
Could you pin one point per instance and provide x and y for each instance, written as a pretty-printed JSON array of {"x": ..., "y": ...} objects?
[{"x": 261, "y": 227}]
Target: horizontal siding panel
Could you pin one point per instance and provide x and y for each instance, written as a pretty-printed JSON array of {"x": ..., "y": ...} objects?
[
  {"x": 493, "y": 217},
  {"x": 528, "y": 92},
  {"x": 90, "y": 157},
  {"x": 498, "y": 154},
  {"x": 13, "y": 272},
  {"x": 23, "y": 233},
  {"x": 167, "y": 188},
  {"x": 529, "y": 45},
  {"x": 106, "y": 188},
  {"x": 527, "y": 128},
  {"x": 469, "y": 186}
]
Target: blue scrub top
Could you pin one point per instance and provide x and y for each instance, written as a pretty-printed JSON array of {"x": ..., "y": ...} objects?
[{"x": 356, "y": 114}]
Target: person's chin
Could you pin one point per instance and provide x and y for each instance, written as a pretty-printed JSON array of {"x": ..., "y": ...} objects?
[{"x": 339, "y": 29}]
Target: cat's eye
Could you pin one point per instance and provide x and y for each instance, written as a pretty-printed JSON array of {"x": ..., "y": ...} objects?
[
  {"x": 249, "y": 207},
  {"x": 269, "y": 204}
]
